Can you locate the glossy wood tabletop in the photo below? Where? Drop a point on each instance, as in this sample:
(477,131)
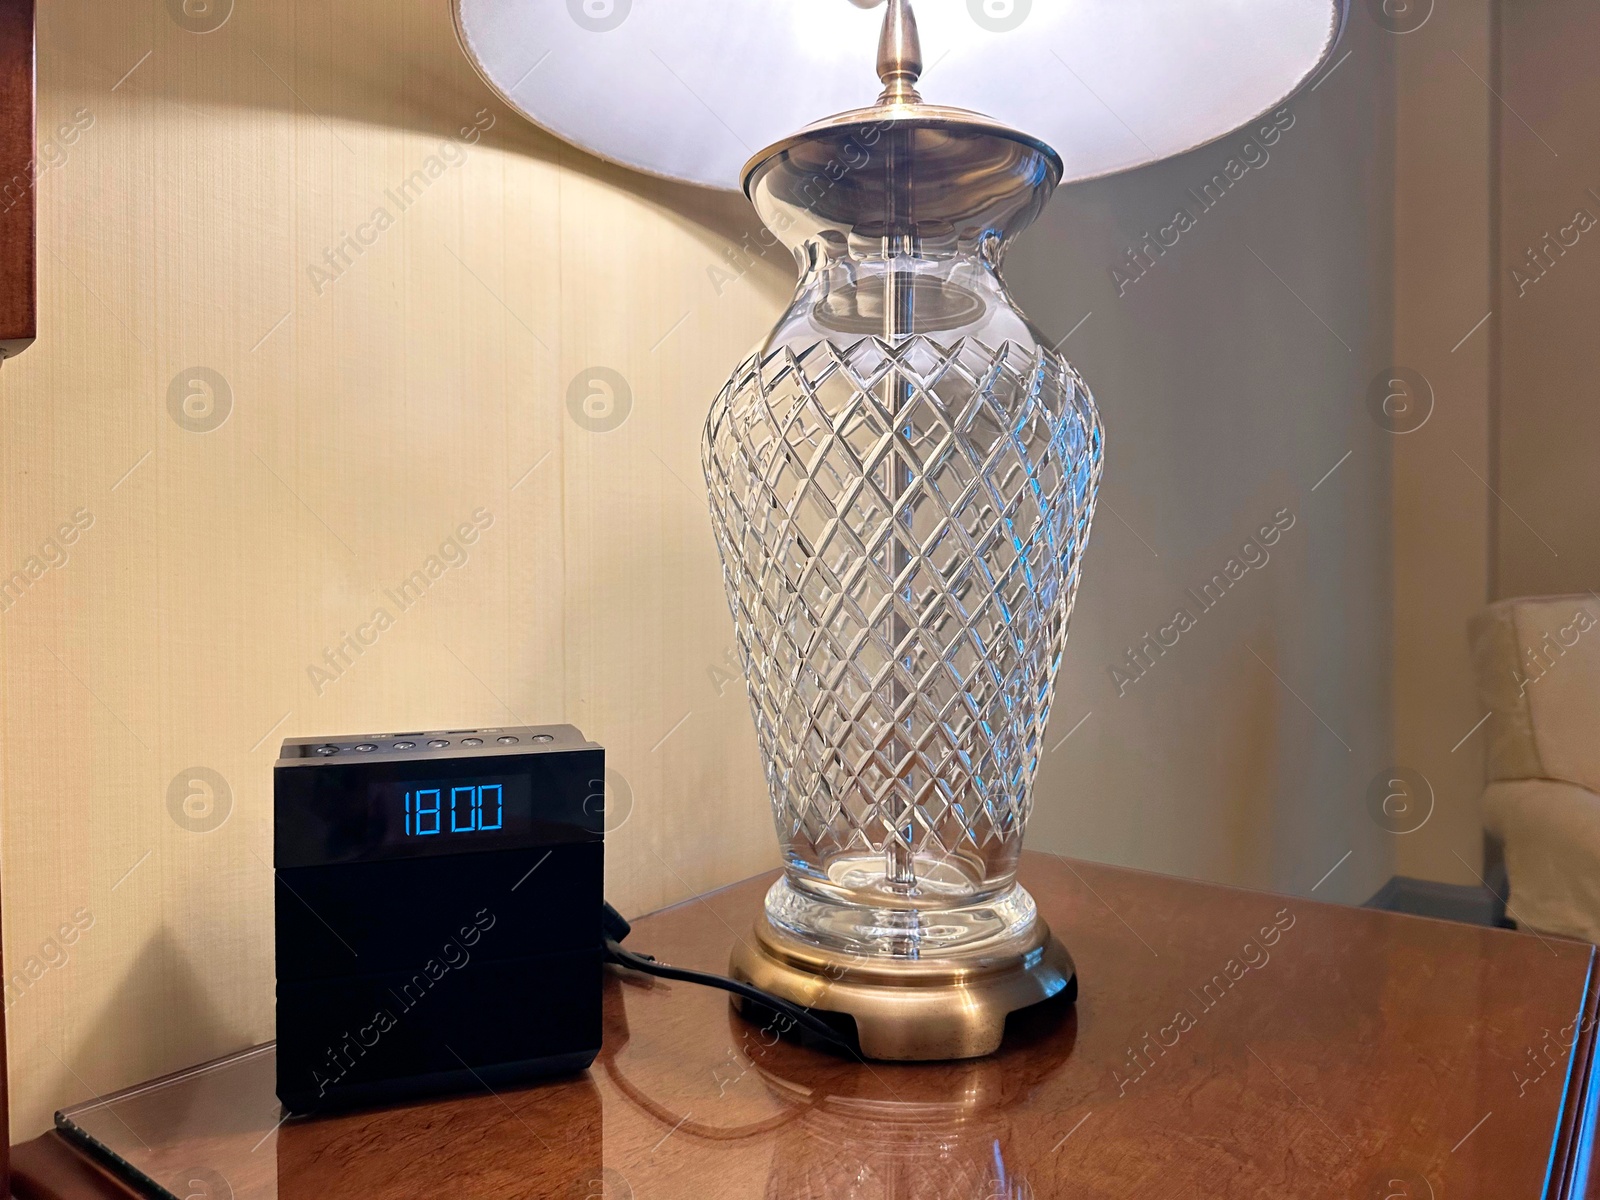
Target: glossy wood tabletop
(1225,1044)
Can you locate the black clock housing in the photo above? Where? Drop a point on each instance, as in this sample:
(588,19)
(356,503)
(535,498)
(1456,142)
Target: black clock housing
(438,902)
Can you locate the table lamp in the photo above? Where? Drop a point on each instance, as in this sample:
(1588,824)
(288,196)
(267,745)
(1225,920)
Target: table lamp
(903,475)
(902,481)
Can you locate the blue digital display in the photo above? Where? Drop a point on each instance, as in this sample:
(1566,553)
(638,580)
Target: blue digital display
(417,812)
(471,808)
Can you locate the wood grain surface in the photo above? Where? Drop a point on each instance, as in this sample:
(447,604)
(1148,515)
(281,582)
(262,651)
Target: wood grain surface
(1342,1053)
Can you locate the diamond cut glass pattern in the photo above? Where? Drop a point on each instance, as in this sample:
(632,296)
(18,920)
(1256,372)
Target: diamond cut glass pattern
(902,480)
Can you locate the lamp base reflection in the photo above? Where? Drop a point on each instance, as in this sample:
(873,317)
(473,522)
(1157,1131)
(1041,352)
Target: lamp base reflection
(918,1132)
(913,1010)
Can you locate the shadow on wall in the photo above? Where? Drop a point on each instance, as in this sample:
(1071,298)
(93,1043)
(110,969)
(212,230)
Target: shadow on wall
(163,982)
(1223,703)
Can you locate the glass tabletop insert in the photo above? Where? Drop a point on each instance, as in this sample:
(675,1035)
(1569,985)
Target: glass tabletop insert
(217,1132)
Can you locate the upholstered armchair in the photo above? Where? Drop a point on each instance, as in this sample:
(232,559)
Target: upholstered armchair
(1538,662)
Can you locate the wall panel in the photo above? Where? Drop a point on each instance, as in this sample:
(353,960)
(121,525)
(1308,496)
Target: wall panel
(1547,421)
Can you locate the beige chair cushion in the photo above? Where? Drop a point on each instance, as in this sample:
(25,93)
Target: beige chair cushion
(1538,663)
(1551,833)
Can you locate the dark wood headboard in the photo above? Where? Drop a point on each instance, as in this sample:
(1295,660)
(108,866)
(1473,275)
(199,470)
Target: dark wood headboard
(18,171)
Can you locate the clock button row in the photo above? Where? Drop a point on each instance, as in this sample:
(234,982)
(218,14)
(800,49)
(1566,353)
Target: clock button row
(329,750)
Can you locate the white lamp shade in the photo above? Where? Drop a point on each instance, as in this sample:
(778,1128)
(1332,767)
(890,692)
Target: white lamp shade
(691,89)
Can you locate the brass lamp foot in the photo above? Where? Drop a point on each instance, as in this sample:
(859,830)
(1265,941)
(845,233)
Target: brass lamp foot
(918,1010)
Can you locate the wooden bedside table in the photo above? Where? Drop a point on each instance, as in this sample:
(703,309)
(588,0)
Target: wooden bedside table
(1225,1044)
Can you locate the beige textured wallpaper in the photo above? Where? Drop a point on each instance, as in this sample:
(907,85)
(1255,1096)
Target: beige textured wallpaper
(317,314)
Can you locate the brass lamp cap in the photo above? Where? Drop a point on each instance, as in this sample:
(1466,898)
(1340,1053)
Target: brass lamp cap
(901,107)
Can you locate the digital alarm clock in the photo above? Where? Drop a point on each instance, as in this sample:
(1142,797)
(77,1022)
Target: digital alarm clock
(438,902)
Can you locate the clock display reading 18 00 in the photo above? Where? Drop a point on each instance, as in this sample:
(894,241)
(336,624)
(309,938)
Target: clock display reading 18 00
(427,811)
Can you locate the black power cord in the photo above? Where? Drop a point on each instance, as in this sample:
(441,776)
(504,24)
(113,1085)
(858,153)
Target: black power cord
(616,928)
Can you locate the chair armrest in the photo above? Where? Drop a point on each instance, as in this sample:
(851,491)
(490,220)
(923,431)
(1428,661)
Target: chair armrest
(1551,833)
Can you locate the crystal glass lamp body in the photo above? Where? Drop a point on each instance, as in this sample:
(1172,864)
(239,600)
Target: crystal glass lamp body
(902,480)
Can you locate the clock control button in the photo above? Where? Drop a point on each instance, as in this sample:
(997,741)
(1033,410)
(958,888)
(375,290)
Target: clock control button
(325,751)
(436,743)
(472,741)
(542,737)
(506,741)
(405,745)
(366,747)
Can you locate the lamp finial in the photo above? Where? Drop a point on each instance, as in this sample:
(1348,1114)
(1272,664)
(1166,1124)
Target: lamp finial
(899,55)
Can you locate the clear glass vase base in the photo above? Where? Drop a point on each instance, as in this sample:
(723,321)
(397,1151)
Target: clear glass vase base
(915,1011)
(933,923)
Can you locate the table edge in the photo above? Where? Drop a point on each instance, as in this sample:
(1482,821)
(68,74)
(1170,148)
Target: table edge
(51,1168)
(1571,1155)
